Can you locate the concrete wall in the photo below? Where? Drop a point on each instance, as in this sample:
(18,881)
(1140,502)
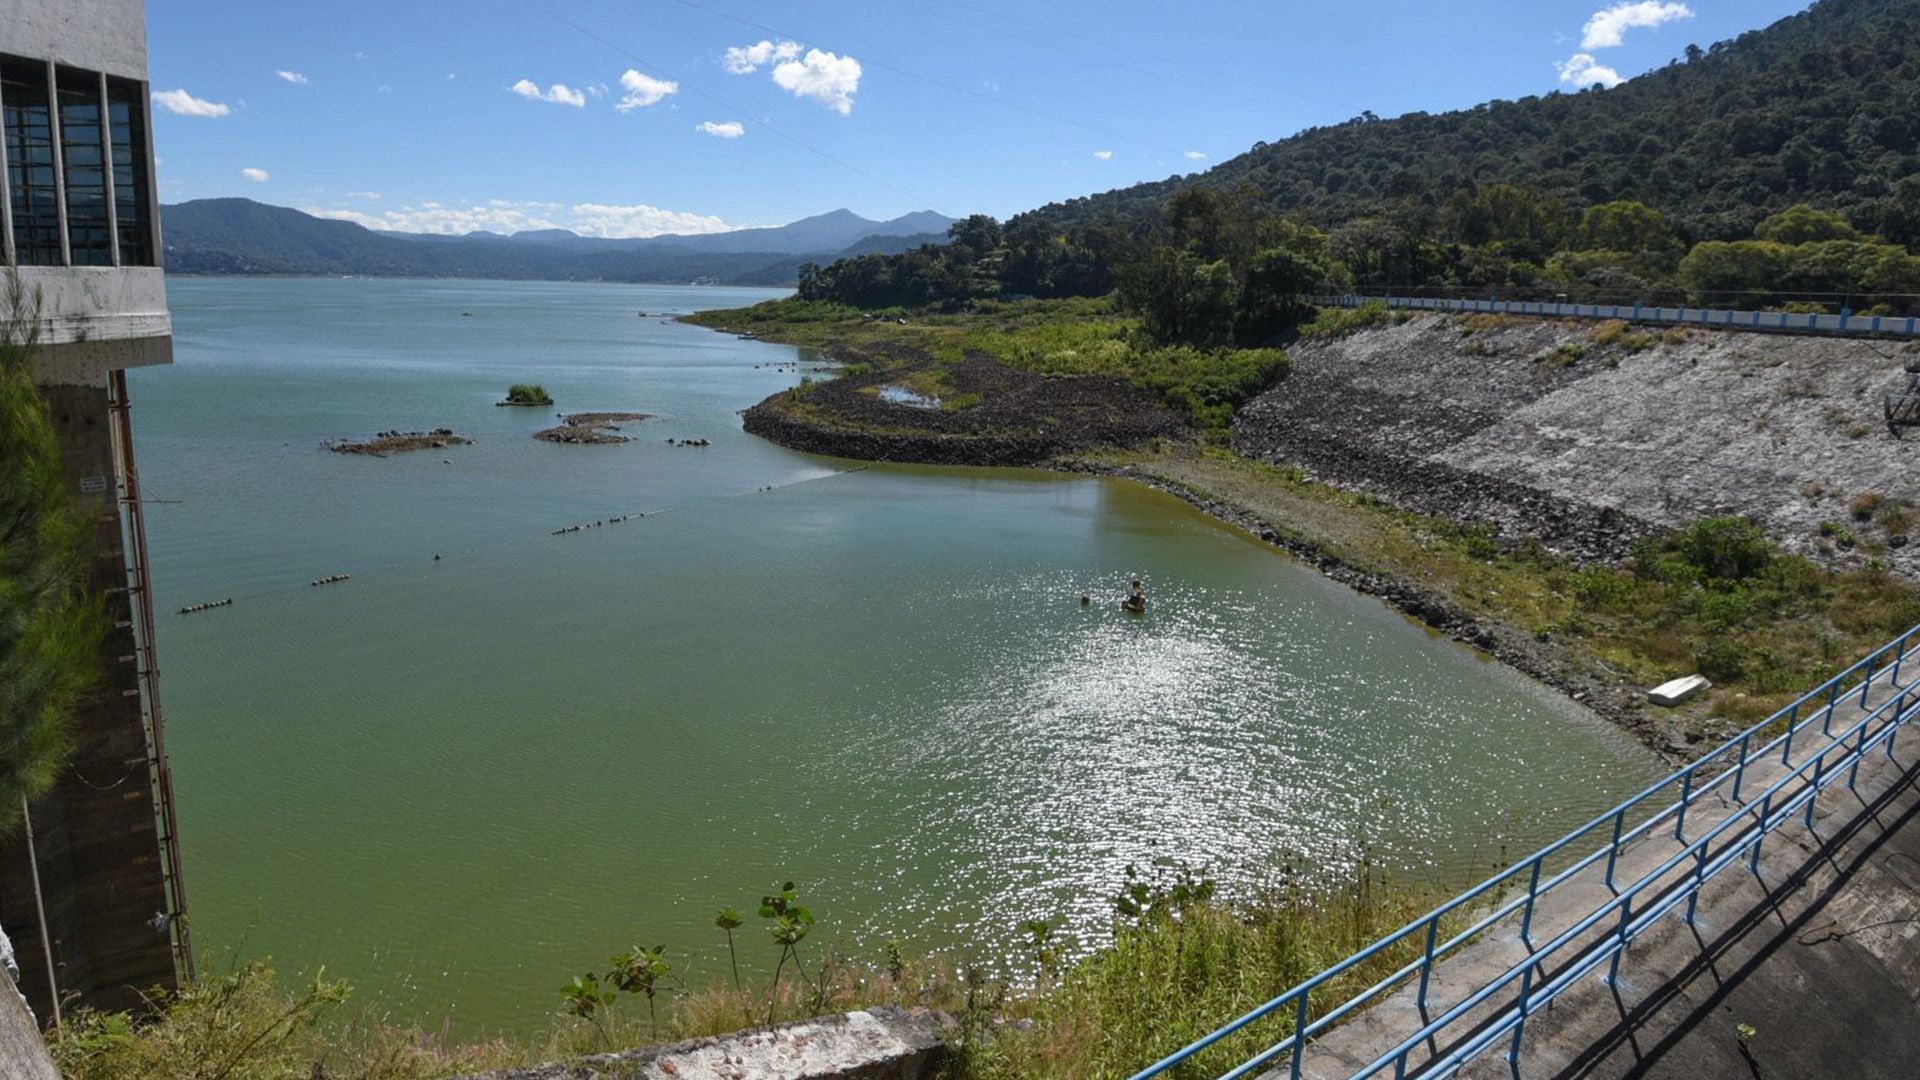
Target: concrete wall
(95,835)
(99,35)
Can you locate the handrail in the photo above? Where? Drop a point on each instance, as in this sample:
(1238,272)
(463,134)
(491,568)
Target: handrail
(1826,697)
(1845,323)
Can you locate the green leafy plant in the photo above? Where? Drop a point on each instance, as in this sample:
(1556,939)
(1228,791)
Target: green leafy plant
(728,921)
(641,971)
(584,999)
(792,921)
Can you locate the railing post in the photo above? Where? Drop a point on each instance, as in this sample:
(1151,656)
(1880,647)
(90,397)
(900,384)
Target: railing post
(1686,793)
(1520,1029)
(1533,892)
(1300,1033)
(1793,723)
(1826,722)
(1819,771)
(1866,684)
(1760,833)
(1426,965)
(1859,751)
(1613,850)
(1740,771)
(1699,881)
(1613,966)
(1899,654)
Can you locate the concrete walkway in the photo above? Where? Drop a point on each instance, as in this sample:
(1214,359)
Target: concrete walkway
(1818,956)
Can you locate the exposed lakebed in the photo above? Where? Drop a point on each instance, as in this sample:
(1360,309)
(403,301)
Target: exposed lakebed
(456,780)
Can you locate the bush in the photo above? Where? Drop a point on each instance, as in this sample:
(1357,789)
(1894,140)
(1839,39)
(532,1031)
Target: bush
(528,394)
(1335,323)
(1726,549)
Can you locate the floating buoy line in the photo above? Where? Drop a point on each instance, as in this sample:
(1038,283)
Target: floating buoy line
(565,530)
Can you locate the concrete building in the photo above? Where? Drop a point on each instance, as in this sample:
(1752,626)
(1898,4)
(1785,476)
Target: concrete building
(90,890)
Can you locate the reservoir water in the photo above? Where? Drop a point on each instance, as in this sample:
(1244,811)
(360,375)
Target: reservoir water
(455,782)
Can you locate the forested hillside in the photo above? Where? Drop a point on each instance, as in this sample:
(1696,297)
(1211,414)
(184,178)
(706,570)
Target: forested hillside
(1773,171)
(1821,108)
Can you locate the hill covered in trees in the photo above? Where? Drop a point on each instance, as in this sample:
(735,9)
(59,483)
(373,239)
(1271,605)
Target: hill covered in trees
(1820,108)
(1782,168)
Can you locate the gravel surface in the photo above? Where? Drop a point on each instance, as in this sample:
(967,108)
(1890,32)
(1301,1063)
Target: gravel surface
(1586,452)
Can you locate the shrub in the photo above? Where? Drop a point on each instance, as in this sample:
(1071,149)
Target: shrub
(528,394)
(1726,549)
(1335,323)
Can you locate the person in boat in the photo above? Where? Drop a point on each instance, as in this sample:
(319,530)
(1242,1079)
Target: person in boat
(1136,601)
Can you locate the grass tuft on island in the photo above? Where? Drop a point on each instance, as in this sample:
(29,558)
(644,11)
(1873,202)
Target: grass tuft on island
(526,394)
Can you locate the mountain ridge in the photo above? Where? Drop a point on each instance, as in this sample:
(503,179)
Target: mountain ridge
(242,236)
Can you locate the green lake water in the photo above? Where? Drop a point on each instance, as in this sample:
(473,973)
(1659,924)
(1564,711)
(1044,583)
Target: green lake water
(456,782)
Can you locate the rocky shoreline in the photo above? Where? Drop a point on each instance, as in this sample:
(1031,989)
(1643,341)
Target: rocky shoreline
(1012,417)
(1543,661)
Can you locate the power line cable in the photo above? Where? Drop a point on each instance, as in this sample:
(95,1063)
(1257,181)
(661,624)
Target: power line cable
(728,106)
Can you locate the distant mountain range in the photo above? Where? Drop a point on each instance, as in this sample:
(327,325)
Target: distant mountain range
(240,236)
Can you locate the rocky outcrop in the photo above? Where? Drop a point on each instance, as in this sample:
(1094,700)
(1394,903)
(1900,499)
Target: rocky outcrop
(873,1044)
(1585,439)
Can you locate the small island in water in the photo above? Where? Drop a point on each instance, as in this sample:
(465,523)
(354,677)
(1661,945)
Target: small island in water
(590,428)
(396,442)
(526,394)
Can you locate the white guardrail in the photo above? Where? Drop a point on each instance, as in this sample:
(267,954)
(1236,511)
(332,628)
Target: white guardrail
(1775,321)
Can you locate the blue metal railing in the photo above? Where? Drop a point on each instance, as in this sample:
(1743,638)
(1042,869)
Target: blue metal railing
(1794,322)
(1633,907)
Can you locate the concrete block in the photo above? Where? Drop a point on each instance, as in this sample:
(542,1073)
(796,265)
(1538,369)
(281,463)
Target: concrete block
(873,1044)
(1675,691)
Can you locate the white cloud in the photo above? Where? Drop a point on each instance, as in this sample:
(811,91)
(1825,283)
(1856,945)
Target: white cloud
(293,77)
(731,129)
(383,88)
(363,195)
(1194,155)
(620,222)
(258,176)
(1609,26)
(1583,70)
(508,216)
(826,77)
(644,90)
(184,104)
(558,93)
(1103,155)
(747,59)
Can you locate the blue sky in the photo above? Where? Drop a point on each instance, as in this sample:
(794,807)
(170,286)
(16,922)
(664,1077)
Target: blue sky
(634,117)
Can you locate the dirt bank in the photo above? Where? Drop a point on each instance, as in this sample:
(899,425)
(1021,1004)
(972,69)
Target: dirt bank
(1587,439)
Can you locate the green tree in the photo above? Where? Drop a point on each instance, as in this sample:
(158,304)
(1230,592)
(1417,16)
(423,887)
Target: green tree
(1624,225)
(1277,294)
(50,629)
(1802,224)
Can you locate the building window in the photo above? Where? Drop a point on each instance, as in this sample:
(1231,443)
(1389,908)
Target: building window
(127,131)
(83,153)
(32,187)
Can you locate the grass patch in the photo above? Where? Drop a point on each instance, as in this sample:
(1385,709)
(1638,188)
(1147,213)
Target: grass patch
(1620,334)
(1178,961)
(1335,323)
(1068,338)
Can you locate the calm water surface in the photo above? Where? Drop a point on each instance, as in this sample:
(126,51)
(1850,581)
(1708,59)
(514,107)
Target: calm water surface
(455,782)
